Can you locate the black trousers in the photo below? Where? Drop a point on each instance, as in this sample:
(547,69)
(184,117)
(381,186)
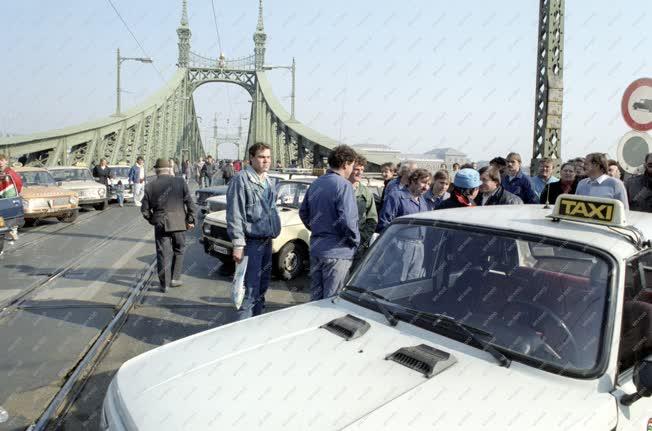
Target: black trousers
(169,254)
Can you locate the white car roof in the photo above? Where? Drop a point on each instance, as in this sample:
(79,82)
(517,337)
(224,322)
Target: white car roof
(532,219)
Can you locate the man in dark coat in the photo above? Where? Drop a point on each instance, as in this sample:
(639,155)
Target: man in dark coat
(167,205)
(639,188)
(491,192)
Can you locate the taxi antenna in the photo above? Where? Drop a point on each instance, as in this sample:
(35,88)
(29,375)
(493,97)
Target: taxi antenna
(547,205)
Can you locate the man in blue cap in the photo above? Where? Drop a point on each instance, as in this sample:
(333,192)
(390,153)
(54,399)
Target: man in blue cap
(465,189)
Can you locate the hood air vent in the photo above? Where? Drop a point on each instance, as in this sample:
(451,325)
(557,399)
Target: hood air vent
(423,358)
(348,327)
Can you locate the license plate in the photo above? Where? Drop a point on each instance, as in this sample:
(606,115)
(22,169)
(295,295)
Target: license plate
(219,249)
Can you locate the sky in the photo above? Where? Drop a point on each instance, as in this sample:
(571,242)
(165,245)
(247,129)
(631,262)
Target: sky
(414,75)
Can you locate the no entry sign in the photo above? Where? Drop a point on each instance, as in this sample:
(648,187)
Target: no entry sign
(636,105)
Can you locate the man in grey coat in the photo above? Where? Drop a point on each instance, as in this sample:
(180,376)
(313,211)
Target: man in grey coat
(167,205)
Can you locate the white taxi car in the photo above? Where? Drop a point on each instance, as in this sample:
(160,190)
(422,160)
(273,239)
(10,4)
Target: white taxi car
(79,179)
(500,318)
(290,250)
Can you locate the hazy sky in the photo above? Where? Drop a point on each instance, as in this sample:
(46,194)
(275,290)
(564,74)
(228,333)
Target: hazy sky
(415,74)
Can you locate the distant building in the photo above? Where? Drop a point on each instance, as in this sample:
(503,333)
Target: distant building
(449,156)
(381,153)
(425,161)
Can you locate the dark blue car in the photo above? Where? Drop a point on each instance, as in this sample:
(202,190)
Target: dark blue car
(11,210)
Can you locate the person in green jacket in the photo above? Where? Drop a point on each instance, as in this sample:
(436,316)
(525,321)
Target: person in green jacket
(367,214)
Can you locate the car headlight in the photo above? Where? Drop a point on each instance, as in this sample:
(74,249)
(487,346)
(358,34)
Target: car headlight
(101,192)
(73,199)
(206,228)
(2,222)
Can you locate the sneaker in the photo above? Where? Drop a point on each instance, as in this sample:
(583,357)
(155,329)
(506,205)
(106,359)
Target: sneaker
(121,205)
(176,283)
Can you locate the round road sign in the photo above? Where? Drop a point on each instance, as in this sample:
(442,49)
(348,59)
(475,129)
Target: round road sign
(632,149)
(636,105)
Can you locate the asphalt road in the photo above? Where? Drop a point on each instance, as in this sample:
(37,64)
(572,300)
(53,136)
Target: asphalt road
(78,275)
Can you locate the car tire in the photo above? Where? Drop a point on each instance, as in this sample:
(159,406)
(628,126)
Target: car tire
(30,222)
(290,260)
(70,217)
(101,206)
(2,243)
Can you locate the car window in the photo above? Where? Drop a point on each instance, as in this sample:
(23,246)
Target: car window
(553,314)
(37,178)
(291,194)
(72,175)
(636,324)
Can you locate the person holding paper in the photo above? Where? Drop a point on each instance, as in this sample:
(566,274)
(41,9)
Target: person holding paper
(252,222)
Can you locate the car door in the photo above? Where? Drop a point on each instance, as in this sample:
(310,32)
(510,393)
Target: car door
(11,208)
(635,342)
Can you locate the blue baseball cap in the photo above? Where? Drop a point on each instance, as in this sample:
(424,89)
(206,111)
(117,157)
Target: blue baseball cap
(467,178)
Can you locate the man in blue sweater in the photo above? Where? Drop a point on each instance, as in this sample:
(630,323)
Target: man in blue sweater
(330,212)
(516,182)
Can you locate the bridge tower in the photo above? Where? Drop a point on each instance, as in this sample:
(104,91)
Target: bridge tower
(549,83)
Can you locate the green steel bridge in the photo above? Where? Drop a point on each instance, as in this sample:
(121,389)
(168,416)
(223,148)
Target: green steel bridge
(166,124)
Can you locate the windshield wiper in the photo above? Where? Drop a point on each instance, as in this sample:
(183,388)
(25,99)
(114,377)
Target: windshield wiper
(470,331)
(391,317)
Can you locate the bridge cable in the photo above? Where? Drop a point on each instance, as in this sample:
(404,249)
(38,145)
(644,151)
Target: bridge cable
(134,37)
(217,31)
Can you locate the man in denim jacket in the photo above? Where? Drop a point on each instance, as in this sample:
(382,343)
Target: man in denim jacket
(252,222)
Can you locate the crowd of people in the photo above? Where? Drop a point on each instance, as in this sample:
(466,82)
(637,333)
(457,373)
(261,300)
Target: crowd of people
(341,214)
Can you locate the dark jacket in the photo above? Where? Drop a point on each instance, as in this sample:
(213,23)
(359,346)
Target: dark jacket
(168,203)
(456,200)
(501,197)
(208,170)
(639,192)
(521,186)
(555,190)
(228,172)
(102,175)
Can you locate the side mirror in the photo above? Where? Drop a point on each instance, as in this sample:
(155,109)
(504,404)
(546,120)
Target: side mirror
(642,381)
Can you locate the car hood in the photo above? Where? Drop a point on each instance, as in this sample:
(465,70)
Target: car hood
(31,192)
(82,185)
(282,371)
(213,190)
(288,216)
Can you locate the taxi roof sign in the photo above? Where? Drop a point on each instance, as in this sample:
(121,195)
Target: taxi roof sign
(589,209)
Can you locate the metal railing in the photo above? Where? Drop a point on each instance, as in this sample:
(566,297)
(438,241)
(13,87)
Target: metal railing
(242,63)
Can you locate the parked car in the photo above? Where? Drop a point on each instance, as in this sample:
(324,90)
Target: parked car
(290,250)
(79,179)
(42,198)
(120,173)
(201,195)
(643,105)
(504,317)
(11,207)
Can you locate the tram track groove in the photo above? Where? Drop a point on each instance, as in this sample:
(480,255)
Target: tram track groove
(15,301)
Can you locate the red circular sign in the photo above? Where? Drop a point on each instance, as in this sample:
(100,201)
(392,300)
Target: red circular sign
(626,103)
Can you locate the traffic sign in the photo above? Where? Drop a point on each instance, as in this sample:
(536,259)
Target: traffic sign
(636,105)
(632,149)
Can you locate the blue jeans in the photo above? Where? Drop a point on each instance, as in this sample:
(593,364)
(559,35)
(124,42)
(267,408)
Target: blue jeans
(327,276)
(259,272)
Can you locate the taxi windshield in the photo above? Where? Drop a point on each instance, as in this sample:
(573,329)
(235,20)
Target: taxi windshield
(72,175)
(37,178)
(534,298)
(290,194)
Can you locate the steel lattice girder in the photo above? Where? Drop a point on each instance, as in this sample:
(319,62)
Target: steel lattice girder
(549,83)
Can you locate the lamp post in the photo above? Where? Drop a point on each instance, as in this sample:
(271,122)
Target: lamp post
(292,68)
(119,61)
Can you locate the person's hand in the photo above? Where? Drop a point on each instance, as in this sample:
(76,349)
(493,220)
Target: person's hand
(237,254)
(189,226)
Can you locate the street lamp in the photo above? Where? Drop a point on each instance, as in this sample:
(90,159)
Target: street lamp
(292,68)
(119,61)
